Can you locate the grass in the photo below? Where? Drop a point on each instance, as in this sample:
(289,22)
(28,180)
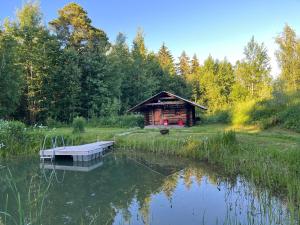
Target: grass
(268,158)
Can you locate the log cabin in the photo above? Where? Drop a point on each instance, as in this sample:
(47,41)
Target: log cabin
(166,109)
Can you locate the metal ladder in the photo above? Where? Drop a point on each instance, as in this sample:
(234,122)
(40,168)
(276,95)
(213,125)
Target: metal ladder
(54,145)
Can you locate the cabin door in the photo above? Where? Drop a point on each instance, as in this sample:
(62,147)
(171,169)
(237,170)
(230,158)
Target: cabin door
(157,116)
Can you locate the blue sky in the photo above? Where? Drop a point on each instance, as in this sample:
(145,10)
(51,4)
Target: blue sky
(219,28)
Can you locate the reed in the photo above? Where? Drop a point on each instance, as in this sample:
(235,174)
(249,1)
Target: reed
(28,207)
(276,170)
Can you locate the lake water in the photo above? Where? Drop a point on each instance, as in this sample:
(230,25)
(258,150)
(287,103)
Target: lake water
(131,189)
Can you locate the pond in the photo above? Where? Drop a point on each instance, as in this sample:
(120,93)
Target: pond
(131,188)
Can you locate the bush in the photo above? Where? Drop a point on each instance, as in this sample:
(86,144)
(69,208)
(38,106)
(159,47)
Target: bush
(16,130)
(291,117)
(14,137)
(78,124)
(266,123)
(52,123)
(12,130)
(218,117)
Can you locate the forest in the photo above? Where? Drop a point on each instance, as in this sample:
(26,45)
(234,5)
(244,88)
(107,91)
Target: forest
(69,68)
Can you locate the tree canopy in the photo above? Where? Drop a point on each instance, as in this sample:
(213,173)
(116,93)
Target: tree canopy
(70,68)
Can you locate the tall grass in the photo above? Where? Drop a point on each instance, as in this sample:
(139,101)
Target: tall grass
(17,139)
(280,110)
(278,171)
(28,209)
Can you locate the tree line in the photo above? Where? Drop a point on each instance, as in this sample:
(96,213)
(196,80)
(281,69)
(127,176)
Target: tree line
(69,68)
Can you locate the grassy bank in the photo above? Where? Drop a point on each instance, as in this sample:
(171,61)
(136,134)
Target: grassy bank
(269,158)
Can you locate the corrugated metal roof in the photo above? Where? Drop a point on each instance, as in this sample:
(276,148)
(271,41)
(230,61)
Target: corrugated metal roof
(170,94)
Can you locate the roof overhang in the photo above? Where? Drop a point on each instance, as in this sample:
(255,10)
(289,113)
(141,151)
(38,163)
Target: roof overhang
(138,106)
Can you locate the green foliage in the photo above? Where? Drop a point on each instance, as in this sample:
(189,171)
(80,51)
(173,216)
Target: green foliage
(253,72)
(74,70)
(288,58)
(241,113)
(52,123)
(290,117)
(184,66)
(10,75)
(78,124)
(12,130)
(166,60)
(15,138)
(73,28)
(118,121)
(281,110)
(216,80)
(218,117)
(65,87)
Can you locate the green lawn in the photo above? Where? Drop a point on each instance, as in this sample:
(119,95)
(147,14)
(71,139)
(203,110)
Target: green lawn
(274,138)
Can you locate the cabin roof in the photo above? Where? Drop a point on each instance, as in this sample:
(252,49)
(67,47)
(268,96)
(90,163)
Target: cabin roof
(135,108)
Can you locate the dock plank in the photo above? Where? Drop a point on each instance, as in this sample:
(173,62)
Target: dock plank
(84,152)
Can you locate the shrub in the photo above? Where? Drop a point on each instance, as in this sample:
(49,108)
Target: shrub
(291,118)
(53,123)
(78,124)
(14,137)
(12,130)
(218,117)
(16,130)
(266,123)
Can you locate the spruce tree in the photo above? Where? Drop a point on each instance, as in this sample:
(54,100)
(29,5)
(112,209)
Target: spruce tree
(166,60)
(184,68)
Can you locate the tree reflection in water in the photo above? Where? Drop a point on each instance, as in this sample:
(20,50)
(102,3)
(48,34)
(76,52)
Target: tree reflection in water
(132,188)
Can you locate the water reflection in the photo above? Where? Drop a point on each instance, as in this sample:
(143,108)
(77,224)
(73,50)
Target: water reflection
(136,188)
(69,165)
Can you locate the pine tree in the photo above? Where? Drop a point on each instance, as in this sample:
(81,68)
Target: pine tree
(73,28)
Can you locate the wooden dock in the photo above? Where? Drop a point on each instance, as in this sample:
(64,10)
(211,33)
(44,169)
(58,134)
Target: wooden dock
(85,152)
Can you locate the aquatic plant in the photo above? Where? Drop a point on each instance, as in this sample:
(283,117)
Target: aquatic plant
(28,208)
